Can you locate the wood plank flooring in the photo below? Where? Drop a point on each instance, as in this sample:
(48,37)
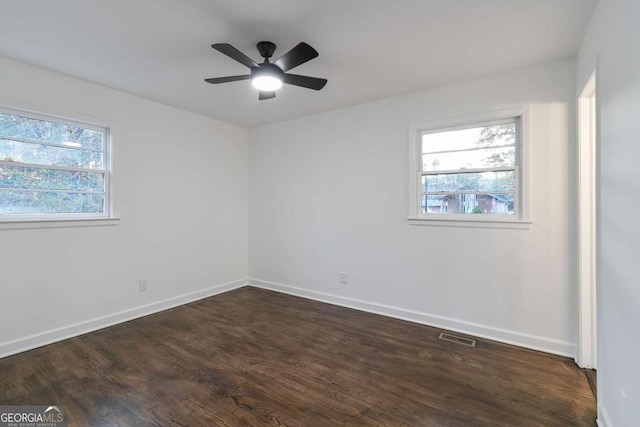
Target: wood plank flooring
(592,378)
(252,357)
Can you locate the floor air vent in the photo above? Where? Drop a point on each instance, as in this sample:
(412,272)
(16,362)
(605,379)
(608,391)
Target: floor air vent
(458,340)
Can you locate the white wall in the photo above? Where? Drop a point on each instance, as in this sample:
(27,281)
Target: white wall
(181,193)
(612,45)
(328,193)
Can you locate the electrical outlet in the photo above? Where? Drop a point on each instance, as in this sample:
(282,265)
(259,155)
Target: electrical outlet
(142,285)
(343,278)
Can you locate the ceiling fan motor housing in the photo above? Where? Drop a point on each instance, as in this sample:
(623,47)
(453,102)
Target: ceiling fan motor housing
(267,69)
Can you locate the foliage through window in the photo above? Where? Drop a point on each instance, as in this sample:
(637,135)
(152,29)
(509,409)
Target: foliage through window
(52,168)
(471,170)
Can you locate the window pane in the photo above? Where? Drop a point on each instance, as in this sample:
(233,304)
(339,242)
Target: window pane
(39,130)
(36,202)
(479,137)
(469,182)
(50,179)
(487,204)
(474,159)
(49,155)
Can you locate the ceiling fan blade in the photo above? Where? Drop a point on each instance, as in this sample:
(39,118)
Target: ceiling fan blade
(234,53)
(296,56)
(216,80)
(265,94)
(304,81)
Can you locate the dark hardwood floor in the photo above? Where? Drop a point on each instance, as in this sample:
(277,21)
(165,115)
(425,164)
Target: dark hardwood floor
(593,380)
(252,357)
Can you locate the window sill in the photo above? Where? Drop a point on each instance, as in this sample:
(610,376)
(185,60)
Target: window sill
(26,224)
(469,223)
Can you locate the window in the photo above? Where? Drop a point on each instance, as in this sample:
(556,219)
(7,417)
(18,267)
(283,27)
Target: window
(52,168)
(471,172)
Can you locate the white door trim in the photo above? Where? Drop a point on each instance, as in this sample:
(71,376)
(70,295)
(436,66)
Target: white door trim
(587,136)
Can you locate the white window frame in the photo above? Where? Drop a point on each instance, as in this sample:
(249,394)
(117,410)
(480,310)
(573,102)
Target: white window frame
(106,217)
(520,218)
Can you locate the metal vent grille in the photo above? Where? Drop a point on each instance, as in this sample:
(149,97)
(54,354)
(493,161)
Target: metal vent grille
(458,340)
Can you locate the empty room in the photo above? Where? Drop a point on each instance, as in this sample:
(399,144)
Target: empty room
(319,213)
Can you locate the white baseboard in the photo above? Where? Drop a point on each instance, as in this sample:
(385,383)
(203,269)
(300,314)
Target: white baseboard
(547,345)
(603,417)
(38,340)
(544,344)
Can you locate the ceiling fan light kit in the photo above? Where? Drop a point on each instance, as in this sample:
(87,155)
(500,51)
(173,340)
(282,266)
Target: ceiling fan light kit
(268,77)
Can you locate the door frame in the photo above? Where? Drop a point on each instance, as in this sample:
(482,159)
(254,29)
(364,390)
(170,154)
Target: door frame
(587,232)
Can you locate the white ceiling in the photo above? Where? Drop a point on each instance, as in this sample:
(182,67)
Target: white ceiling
(369,49)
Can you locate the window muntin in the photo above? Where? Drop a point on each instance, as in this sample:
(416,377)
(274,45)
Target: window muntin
(52,168)
(470,170)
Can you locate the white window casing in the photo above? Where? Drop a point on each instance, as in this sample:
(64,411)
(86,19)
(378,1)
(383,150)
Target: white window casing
(420,215)
(59,210)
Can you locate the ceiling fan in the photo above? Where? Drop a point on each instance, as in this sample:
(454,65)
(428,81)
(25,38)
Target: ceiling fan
(268,77)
